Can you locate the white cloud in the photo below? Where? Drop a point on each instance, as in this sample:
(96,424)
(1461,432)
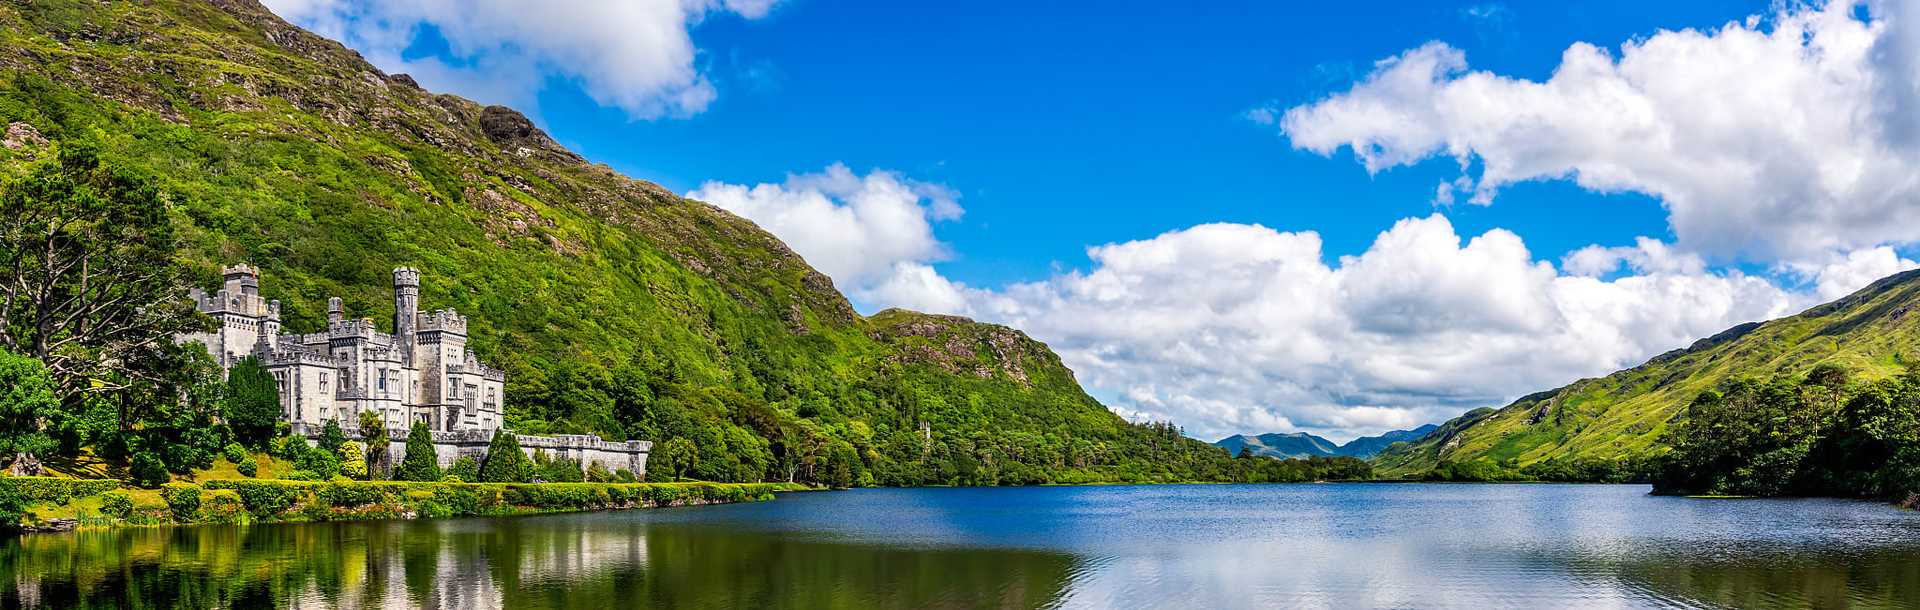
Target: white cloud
(1229,328)
(872,234)
(1844,274)
(634,55)
(1789,137)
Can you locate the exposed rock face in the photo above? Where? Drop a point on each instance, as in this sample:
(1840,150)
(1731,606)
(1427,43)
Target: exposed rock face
(21,135)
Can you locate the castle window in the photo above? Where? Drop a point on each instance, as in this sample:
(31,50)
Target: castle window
(323,382)
(453,389)
(383,380)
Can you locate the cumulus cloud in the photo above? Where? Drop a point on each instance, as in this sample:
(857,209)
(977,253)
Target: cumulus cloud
(1230,328)
(872,234)
(1789,137)
(635,55)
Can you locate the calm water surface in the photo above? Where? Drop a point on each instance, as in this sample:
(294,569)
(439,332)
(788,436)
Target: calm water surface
(1308,546)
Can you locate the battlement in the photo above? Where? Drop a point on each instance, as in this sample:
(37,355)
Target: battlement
(406,276)
(285,356)
(444,320)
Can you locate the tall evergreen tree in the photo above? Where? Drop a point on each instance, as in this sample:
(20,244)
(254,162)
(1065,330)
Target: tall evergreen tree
(253,401)
(505,462)
(420,464)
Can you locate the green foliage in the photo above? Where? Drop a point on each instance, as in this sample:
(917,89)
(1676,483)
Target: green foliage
(148,471)
(598,473)
(253,401)
(12,505)
(274,500)
(116,504)
(58,490)
(373,431)
(353,460)
(1811,435)
(322,464)
(420,463)
(248,466)
(234,453)
(26,396)
(183,499)
(221,506)
(505,462)
(467,468)
(674,459)
(556,469)
(331,437)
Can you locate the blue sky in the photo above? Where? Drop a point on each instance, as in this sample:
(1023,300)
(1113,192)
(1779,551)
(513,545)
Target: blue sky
(1339,218)
(1064,127)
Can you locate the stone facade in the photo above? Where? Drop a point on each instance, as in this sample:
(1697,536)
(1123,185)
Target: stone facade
(422,372)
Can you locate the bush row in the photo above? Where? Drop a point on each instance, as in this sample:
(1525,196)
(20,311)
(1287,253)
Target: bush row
(58,490)
(337,500)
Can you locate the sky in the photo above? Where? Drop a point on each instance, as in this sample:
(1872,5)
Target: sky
(1250,217)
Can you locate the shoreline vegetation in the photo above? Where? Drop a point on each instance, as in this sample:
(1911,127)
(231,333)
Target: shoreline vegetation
(49,504)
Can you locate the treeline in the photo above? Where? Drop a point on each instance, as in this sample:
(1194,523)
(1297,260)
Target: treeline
(1578,470)
(1821,434)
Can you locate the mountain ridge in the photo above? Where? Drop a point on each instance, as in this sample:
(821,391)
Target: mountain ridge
(1302,444)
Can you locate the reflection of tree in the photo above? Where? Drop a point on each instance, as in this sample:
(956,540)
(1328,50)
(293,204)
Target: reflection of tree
(590,561)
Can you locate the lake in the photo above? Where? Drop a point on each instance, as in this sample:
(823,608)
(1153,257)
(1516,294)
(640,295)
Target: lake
(1178,546)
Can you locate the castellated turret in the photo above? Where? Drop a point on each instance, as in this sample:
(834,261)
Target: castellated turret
(406,310)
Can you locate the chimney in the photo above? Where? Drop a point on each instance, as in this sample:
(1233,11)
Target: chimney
(335,312)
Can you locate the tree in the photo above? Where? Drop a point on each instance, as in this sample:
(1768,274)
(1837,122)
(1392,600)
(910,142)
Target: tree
(466,469)
(420,463)
(253,401)
(373,432)
(505,462)
(26,395)
(331,437)
(87,255)
(674,459)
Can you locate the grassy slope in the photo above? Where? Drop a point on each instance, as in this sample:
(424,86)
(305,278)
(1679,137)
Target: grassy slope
(294,154)
(1623,415)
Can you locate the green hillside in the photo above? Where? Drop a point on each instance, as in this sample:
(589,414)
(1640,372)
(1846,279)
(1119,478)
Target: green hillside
(615,306)
(1622,416)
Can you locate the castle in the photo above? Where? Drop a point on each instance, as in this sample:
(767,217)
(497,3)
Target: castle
(422,372)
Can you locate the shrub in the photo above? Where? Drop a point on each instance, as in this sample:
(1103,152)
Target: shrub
(598,473)
(625,476)
(322,463)
(253,401)
(183,499)
(234,453)
(302,475)
(248,466)
(350,493)
(148,471)
(264,498)
(467,468)
(12,506)
(353,460)
(222,506)
(116,504)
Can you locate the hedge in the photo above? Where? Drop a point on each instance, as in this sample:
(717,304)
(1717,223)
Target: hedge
(316,500)
(58,490)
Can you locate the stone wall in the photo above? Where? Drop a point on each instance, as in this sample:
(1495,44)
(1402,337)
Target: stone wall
(588,449)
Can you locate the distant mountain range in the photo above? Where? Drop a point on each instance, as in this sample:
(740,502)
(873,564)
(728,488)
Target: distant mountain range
(1301,444)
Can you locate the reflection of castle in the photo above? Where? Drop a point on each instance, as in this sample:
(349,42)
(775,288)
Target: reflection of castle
(422,372)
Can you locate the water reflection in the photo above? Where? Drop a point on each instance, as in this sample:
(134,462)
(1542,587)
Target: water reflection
(1203,546)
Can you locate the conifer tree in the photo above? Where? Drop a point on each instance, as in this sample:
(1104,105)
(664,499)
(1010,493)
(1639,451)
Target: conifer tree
(505,462)
(420,464)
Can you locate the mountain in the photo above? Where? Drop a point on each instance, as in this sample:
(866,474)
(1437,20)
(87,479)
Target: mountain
(1623,415)
(616,306)
(1301,444)
(1294,445)
(1369,446)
